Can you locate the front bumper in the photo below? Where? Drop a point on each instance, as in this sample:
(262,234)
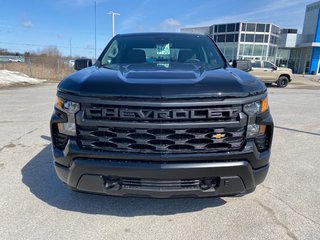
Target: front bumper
(92,175)
(234,173)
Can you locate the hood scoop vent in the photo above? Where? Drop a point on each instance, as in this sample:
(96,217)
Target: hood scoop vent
(160,75)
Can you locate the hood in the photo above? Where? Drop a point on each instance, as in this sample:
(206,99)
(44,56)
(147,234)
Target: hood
(284,69)
(161,81)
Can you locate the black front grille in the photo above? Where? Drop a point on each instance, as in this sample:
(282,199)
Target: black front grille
(156,185)
(161,140)
(160,127)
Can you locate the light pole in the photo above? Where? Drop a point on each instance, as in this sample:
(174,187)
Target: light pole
(95,30)
(70,47)
(113,14)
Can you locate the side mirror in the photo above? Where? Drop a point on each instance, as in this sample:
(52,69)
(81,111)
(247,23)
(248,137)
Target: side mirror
(244,65)
(275,67)
(82,63)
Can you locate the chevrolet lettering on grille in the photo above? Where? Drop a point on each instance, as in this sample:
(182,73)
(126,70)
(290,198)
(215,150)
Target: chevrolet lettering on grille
(146,114)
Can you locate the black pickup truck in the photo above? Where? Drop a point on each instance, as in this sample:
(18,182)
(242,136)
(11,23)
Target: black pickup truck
(161,115)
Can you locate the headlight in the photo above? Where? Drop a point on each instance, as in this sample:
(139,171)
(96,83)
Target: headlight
(252,130)
(67,105)
(70,108)
(256,107)
(252,109)
(67,128)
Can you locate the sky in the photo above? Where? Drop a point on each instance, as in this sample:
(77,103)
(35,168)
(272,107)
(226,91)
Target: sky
(69,24)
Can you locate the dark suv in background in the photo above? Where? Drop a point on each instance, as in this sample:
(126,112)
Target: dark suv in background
(161,115)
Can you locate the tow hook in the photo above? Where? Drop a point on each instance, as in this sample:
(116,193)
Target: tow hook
(112,184)
(208,184)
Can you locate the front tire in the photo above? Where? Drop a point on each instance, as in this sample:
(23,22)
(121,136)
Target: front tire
(283,82)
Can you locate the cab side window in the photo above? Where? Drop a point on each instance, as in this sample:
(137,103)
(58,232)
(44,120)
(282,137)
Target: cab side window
(256,64)
(268,65)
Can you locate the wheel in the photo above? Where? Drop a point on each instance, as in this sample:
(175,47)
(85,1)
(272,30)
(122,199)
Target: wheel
(283,82)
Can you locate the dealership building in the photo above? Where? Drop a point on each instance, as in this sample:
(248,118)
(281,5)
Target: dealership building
(267,41)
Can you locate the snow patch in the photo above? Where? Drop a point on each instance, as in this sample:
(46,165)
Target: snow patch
(10,78)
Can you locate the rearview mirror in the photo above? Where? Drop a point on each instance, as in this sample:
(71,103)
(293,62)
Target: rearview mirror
(244,65)
(82,63)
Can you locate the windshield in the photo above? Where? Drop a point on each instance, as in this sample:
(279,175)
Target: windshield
(163,50)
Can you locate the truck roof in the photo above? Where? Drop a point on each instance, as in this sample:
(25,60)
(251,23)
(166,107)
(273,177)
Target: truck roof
(160,33)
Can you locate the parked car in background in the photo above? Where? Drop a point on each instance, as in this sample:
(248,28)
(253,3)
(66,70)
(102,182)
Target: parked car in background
(14,60)
(270,73)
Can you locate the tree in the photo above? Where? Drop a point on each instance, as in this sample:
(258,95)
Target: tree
(3,51)
(27,54)
(51,51)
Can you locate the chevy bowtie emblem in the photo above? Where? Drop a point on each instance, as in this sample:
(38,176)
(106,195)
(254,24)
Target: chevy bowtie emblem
(218,136)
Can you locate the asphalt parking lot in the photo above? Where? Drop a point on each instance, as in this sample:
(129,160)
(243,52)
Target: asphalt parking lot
(34,204)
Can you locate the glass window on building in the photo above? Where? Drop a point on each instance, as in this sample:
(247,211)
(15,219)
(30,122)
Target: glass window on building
(249,37)
(237,27)
(242,38)
(221,38)
(264,50)
(289,30)
(257,50)
(243,27)
(259,38)
(283,53)
(231,27)
(215,38)
(229,51)
(215,28)
(266,38)
(260,27)
(236,37)
(272,51)
(230,38)
(221,28)
(283,56)
(235,51)
(282,62)
(267,27)
(251,27)
(241,50)
(274,40)
(247,50)
(221,47)
(275,30)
